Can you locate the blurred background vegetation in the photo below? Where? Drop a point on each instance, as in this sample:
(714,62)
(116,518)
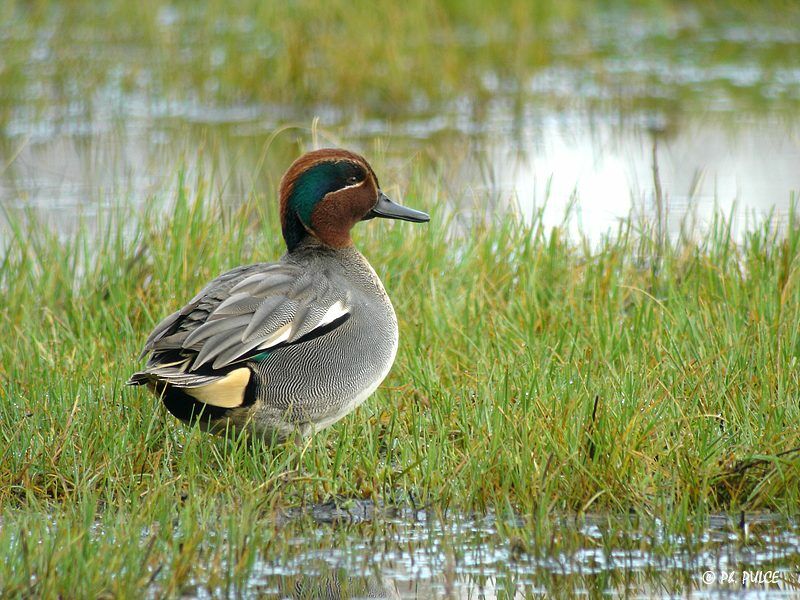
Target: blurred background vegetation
(105,100)
(388,58)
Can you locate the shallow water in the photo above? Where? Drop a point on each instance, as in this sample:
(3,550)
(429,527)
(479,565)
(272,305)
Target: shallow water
(361,551)
(657,116)
(581,164)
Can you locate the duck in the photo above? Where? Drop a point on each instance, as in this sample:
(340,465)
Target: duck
(287,348)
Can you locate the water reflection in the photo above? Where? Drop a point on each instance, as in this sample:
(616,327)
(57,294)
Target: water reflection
(336,585)
(717,93)
(413,554)
(748,169)
(605,171)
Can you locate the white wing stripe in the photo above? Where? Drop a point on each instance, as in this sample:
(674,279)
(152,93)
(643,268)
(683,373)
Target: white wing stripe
(338,309)
(281,335)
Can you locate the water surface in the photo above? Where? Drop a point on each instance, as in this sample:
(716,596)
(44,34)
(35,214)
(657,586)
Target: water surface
(360,551)
(668,115)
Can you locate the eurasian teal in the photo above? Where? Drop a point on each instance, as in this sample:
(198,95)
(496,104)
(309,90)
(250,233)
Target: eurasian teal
(294,345)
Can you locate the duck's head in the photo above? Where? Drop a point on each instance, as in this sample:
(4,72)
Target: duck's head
(326,192)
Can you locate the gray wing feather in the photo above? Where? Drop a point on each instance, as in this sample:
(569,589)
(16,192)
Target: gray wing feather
(211,328)
(158,332)
(244,309)
(183,318)
(270,317)
(214,345)
(181,378)
(231,354)
(259,283)
(238,304)
(306,321)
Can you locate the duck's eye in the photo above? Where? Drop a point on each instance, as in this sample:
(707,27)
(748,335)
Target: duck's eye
(352,180)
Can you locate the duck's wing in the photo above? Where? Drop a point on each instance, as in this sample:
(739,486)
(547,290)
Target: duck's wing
(240,315)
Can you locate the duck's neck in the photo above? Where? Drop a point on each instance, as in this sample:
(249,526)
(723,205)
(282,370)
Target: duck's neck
(296,235)
(310,243)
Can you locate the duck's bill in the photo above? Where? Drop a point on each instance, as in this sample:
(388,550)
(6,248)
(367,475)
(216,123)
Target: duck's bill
(387,209)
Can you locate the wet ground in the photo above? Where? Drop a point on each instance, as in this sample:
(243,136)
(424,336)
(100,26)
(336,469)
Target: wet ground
(358,550)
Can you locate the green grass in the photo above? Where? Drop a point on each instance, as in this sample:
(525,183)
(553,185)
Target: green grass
(536,375)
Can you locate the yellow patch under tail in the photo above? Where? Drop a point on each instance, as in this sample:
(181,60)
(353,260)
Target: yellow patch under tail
(227,392)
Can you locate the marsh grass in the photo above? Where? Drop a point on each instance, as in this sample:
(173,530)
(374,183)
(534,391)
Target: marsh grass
(64,61)
(536,376)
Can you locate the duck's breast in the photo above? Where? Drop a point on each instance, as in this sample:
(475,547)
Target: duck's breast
(325,378)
